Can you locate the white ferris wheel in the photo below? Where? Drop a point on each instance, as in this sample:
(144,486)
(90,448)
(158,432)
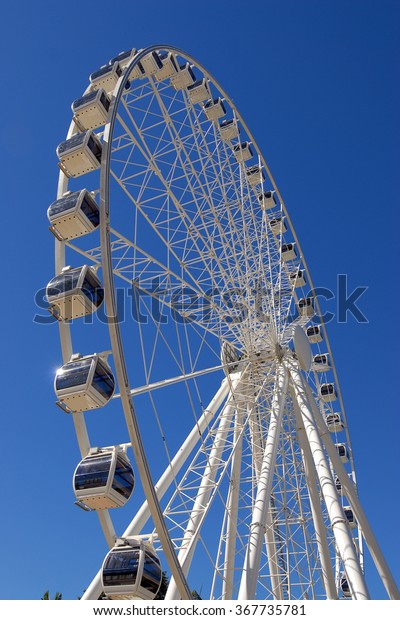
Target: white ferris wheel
(217,359)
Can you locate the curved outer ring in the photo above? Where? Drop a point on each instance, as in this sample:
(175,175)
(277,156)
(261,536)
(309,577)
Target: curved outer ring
(111,306)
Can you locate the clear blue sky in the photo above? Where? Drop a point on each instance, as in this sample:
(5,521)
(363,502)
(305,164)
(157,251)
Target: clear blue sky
(317,81)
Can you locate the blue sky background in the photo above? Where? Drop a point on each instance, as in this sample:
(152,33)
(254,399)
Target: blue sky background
(317,81)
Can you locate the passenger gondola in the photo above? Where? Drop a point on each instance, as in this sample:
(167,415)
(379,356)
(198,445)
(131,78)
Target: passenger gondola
(84,383)
(90,111)
(342,452)
(74,215)
(314,334)
(298,277)
(214,109)
(229,130)
(151,63)
(288,251)
(305,306)
(242,151)
(74,293)
(137,72)
(277,226)
(334,422)
(267,200)
(255,175)
(104,479)
(106,77)
(199,91)
(338,486)
(123,58)
(321,363)
(80,154)
(183,78)
(131,570)
(351,520)
(344,586)
(169,66)
(327,392)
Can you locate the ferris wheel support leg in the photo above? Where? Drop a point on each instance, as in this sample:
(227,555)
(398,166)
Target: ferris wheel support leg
(94,590)
(232,507)
(322,543)
(337,517)
(200,506)
(258,525)
(270,535)
(349,489)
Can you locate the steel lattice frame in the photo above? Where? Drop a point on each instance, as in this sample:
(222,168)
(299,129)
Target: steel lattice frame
(181,221)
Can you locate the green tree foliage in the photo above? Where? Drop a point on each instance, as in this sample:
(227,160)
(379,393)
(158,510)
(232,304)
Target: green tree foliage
(46,596)
(163,588)
(196,596)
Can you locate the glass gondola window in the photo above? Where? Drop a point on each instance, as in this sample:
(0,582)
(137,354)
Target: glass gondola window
(151,574)
(123,58)
(123,478)
(92,290)
(91,211)
(73,374)
(75,293)
(95,148)
(92,473)
(63,283)
(66,203)
(121,567)
(103,381)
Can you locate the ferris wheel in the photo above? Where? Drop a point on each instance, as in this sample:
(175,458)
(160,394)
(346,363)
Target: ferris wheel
(214,355)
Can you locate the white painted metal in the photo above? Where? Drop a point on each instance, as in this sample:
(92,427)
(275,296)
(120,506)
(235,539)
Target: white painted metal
(320,529)
(258,445)
(302,348)
(232,506)
(332,500)
(258,525)
(351,494)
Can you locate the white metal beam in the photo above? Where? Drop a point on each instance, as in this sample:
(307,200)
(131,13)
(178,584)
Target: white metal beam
(349,489)
(258,525)
(319,525)
(337,517)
